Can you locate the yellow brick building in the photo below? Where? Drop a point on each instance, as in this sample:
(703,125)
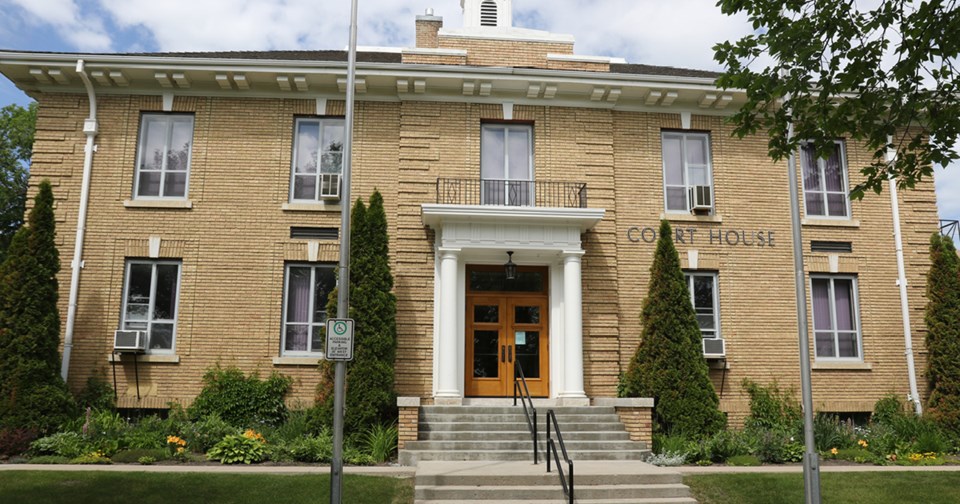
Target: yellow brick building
(211,223)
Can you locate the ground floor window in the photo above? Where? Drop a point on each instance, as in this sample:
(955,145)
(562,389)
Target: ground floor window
(307,289)
(835,316)
(703,294)
(150,297)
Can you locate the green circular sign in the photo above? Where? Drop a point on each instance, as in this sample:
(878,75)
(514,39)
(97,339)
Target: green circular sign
(340,328)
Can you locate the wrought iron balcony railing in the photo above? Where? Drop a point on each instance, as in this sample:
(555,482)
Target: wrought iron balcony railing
(524,193)
(951,229)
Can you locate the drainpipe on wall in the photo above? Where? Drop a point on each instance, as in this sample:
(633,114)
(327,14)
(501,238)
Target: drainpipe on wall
(90,130)
(902,282)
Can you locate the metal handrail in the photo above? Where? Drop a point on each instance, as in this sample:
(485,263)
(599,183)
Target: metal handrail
(518,380)
(513,193)
(551,447)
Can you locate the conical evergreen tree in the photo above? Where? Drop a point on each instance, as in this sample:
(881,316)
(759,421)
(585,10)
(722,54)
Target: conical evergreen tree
(370,397)
(32,393)
(669,365)
(943,333)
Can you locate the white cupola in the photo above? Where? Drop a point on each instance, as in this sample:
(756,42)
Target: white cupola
(487,13)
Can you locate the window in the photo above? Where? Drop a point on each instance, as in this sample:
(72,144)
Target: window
(506,165)
(686,170)
(835,317)
(305,308)
(317,160)
(163,163)
(150,302)
(825,182)
(703,294)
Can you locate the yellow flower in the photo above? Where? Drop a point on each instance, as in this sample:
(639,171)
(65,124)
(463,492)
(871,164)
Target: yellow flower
(833,451)
(862,443)
(176,440)
(252,434)
(180,449)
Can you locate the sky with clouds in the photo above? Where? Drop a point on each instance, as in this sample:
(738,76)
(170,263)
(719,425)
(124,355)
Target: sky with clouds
(673,33)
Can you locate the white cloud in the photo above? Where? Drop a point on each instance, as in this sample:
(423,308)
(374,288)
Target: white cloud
(82,30)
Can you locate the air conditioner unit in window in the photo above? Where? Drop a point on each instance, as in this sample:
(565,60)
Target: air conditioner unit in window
(701,199)
(330,186)
(714,348)
(129,341)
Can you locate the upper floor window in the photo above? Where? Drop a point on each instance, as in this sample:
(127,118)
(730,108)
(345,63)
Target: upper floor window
(305,307)
(150,301)
(317,160)
(506,165)
(836,325)
(825,182)
(687,174)
(163,161)
(703,294)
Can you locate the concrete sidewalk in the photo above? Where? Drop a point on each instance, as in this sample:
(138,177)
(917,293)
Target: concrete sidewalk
(796,468)
(390,471)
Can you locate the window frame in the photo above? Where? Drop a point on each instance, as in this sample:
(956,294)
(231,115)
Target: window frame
(686,169)
(688,277)
(855,294)
(170,119)
(153,296)
(321,122)
(310,325)
(821,172)
(531,169)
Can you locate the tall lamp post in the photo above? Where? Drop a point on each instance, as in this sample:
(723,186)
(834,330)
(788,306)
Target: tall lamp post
(343,290)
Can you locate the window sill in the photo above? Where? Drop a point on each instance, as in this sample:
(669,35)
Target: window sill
(158,203)
(843,366)
(687,217)
(296,361)
(311,207)
(844,223)
(147,358)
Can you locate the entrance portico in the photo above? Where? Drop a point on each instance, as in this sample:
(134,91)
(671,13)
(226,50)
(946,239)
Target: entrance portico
(473,235)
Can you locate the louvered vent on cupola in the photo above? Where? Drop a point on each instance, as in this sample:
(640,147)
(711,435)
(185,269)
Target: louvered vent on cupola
(488,13)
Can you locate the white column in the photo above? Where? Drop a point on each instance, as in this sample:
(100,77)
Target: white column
(572,327)
(447,353)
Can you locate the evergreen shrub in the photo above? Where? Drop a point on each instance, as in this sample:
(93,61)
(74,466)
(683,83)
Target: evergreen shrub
(943,333)
(669,365)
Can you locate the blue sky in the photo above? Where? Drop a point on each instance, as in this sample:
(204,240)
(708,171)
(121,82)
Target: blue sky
(674,33)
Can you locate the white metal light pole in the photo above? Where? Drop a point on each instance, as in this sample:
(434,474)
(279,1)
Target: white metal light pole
(343,289)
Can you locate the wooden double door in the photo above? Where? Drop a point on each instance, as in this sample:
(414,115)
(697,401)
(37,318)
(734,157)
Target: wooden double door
(504,328)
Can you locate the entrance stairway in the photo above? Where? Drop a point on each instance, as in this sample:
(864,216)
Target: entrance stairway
(484,454)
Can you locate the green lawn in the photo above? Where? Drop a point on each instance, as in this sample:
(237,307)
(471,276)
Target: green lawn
(188,488)
(836,488)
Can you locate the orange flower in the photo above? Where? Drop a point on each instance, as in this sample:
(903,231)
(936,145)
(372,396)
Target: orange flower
(833,451)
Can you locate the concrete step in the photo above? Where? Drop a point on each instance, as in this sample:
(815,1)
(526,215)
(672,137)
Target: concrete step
(541,477)
(495,443)
(411,457)
(516,418)
(503,410)
(667,500)
(433,426)
(522,435)
(526,492)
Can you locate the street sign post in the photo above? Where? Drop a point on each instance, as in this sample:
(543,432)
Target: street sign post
(339,340)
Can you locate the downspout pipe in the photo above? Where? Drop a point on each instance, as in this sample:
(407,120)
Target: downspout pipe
(914,396)
(90,129)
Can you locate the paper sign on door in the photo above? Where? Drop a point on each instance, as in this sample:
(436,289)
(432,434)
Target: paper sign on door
(521,338)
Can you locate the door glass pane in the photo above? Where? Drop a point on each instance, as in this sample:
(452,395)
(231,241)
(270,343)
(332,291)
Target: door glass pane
(528,353)
(526,315)
(496,281)
(486,314)
(486,354)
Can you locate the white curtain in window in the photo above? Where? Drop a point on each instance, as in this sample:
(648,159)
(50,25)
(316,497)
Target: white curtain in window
(298,309)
